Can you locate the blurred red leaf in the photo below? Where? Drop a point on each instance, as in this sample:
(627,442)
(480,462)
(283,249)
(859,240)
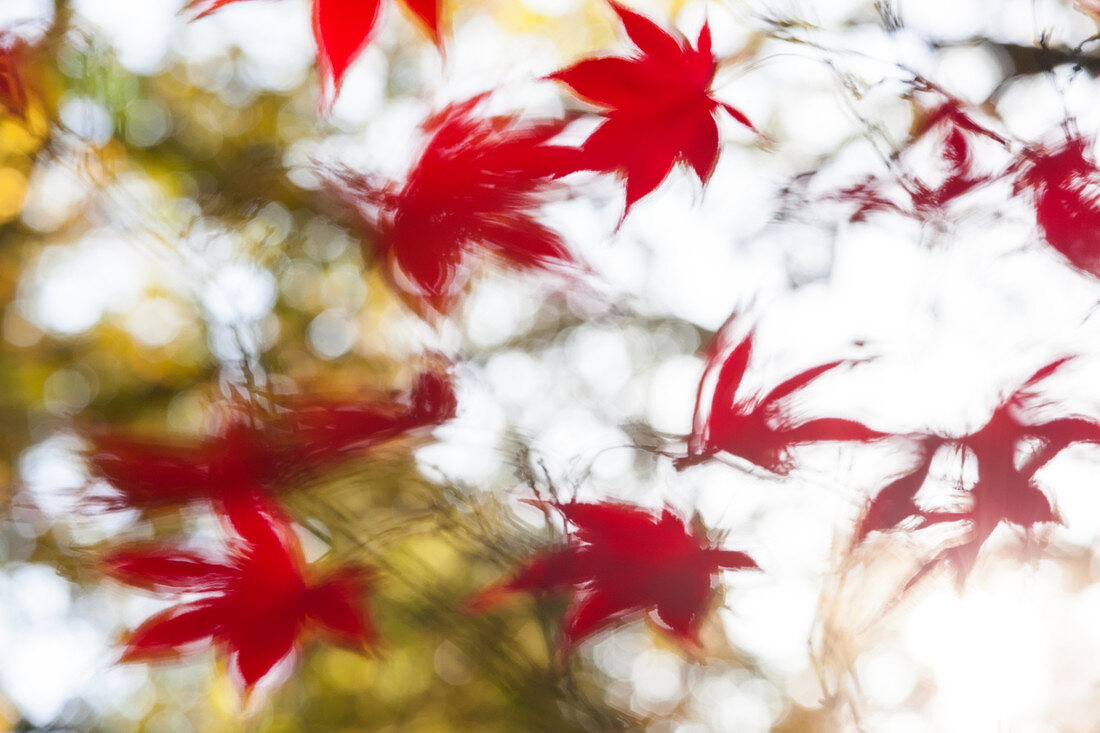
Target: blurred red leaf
(474,190)
(341,30)
(1005,489)
(757,428)
(303,435)
(897,502)
(658,106)
(619,561)
(13,57)
(1064,186)
(258,600)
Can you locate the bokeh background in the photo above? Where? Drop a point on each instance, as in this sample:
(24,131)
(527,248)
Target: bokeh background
(166,242)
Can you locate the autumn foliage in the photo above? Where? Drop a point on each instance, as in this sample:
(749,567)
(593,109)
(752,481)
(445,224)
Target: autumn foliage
(479,194)
(620,561)
(13,58)
(1061,182)
(260,452)
(472,198)
(256,604)
(1005,490)
(341,29)
(760,429)
(472,195)
(657,106)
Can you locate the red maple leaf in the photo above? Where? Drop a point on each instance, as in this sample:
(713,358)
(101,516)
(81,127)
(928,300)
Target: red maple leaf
(757,428)
(1064,185)
(1005,490)
(342,29)
(955,130)
(266,452)
(621,561)
(254,604)
(659,108)
(475,189)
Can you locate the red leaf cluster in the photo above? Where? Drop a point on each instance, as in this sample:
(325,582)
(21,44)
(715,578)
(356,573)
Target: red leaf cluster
(1005,490)
(473,193)
(254,605)
(342,29)
(621,561)
(758,428)
(1062,182)
(658,106)
(955,132)
(251,452)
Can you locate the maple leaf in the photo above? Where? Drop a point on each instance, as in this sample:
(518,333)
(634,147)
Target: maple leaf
(307,435)
(1064,185)
(341,30)
(474,190)
(757,428)
(658,106)
(620,561)
(955,130)
(1005,490)
(254,604)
